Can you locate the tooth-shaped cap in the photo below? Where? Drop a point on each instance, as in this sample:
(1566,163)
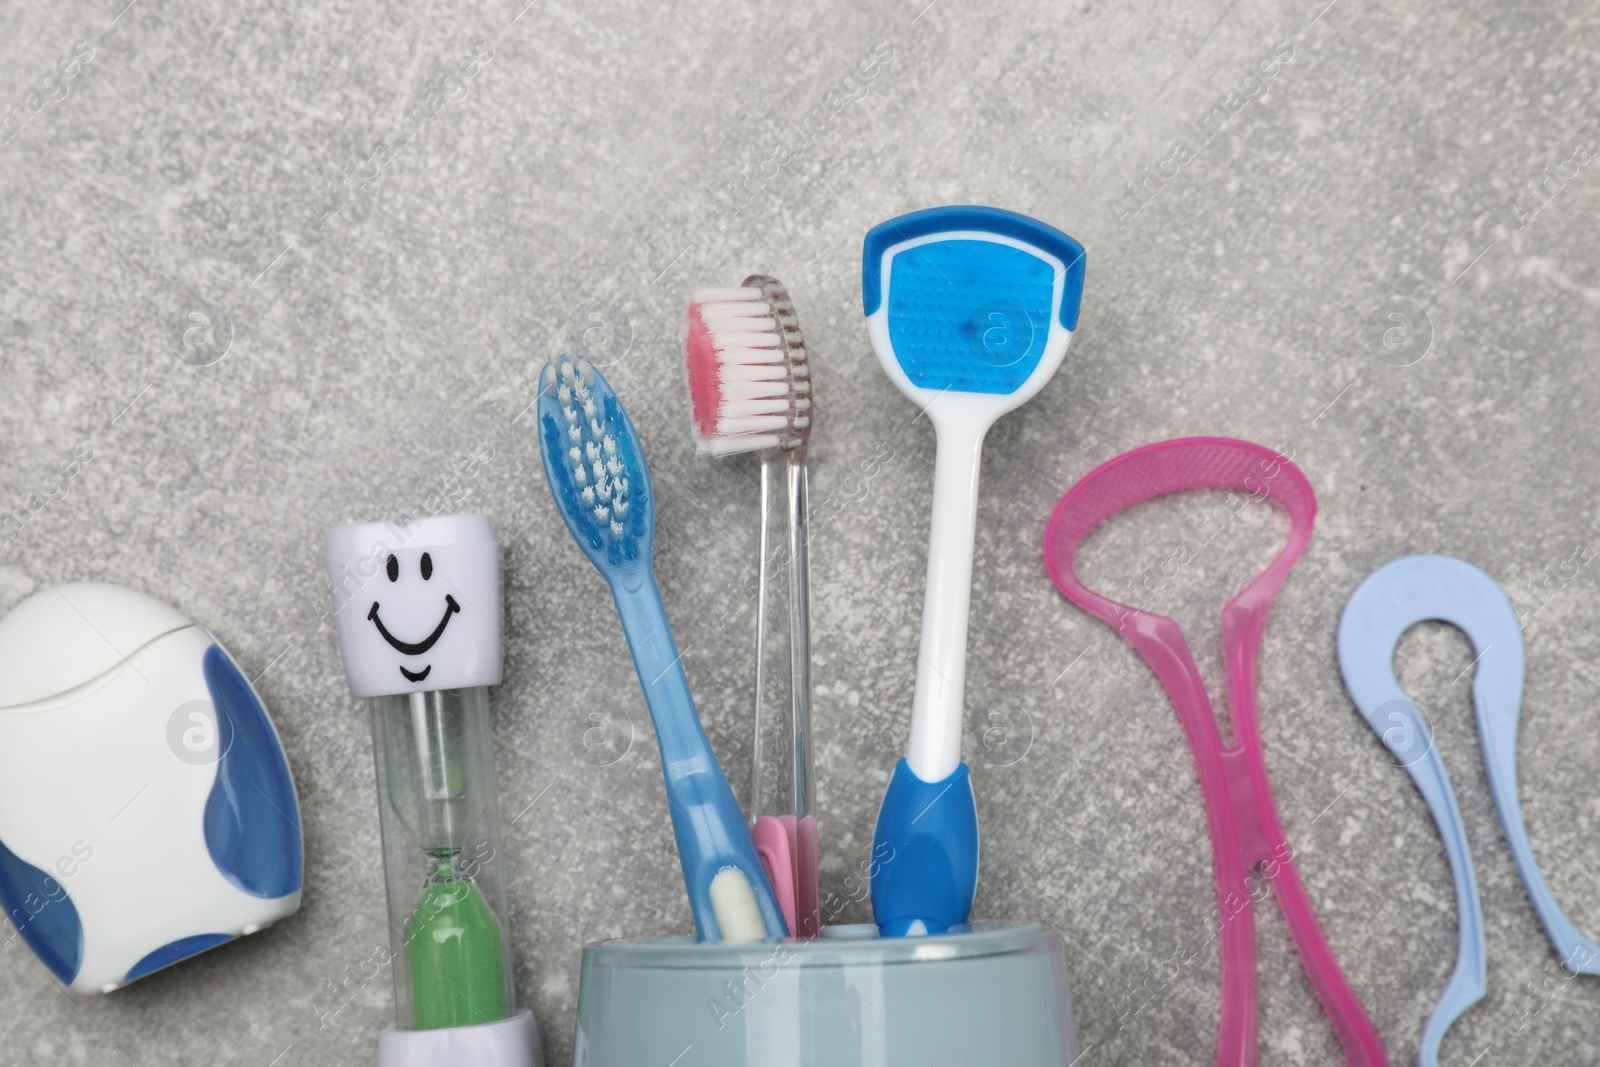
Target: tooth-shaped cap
(417,607)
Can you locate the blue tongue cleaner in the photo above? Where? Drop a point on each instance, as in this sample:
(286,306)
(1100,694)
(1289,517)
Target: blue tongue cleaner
(978,302)
(965,313)
(969,316)
(1387,603)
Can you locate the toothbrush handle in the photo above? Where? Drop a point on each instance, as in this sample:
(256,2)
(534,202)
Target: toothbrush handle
(771,702)
(808,892)
(934,751)
(660,670)
(706,821)
(781,776)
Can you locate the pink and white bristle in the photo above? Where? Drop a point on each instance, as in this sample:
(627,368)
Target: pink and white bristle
(749,377)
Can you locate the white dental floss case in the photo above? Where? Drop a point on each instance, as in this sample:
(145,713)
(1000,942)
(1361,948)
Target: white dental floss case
(147,812)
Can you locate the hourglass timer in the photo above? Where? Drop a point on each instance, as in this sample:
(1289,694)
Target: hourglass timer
(417,610)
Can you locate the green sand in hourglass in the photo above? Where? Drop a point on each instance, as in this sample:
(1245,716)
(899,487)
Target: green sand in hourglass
(436,778)
(453,944)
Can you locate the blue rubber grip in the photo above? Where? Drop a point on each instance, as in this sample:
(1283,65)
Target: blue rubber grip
(926,851)
(175,952)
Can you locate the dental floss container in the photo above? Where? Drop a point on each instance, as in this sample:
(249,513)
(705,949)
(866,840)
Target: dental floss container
(147,811)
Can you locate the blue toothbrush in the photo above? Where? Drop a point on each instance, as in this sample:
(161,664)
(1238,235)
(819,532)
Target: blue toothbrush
(970,310)
(597,475)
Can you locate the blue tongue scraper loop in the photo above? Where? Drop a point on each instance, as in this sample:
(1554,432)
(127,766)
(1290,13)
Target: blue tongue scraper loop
(1390,601)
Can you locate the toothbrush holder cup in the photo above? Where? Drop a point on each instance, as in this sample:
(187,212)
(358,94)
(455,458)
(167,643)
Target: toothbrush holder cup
(996,992)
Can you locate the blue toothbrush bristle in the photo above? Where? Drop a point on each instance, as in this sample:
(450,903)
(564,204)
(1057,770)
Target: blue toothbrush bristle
(591,453)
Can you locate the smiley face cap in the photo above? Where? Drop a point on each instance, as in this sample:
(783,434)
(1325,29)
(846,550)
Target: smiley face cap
(417,607)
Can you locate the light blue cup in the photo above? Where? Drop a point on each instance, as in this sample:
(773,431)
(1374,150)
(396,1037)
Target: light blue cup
(995,994)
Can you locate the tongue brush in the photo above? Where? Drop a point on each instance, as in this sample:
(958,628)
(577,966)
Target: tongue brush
(596,471)
(970,310)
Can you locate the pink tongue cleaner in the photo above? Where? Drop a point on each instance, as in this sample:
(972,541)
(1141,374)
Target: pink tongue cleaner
(701,359)
(1243,818)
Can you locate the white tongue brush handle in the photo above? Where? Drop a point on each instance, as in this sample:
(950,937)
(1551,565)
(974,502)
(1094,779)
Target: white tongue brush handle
(934,751)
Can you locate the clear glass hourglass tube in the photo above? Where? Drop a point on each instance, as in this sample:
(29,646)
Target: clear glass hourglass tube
(441,845)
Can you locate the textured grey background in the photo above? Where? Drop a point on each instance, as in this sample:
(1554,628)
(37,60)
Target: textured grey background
(567,194)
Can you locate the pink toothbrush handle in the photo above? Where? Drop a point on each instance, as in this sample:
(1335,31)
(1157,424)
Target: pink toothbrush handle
(775,839)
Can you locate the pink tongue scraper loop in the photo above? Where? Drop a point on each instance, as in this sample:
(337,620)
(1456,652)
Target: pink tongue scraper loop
(1243,819)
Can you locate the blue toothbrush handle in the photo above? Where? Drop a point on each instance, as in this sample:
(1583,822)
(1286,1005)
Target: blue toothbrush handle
(706,819)
(925,853)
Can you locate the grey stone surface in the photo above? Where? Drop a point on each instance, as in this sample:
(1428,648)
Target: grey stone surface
(361,346)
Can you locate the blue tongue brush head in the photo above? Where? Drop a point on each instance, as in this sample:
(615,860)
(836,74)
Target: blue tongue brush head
(971,300)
